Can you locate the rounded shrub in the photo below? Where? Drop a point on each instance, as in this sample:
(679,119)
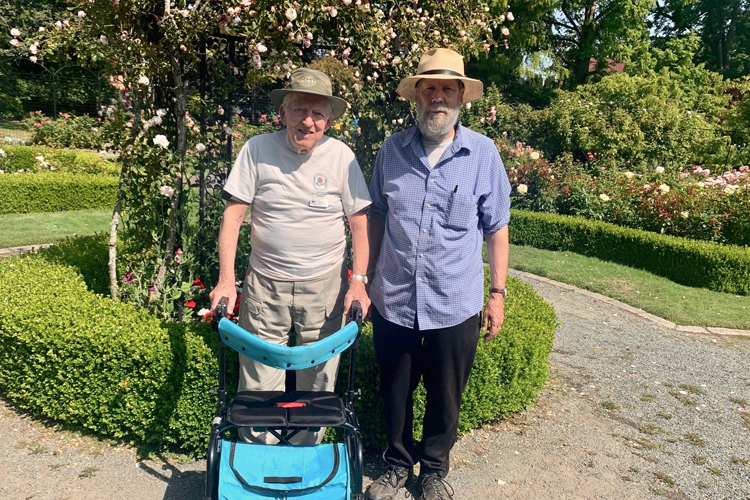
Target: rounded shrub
(72,355)
(82,359)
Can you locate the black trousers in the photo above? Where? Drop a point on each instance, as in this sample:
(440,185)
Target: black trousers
(443,358)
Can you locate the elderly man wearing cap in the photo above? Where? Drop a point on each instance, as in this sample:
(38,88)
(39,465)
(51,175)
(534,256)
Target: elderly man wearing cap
(438,189)
(301,184)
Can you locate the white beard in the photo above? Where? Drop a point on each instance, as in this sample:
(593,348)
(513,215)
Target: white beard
(435,127)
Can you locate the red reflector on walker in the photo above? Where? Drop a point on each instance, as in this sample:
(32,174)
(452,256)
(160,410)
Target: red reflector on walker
(290,405)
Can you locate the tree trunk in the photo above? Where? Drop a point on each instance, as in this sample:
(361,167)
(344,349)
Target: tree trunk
(115,222)
(586,45)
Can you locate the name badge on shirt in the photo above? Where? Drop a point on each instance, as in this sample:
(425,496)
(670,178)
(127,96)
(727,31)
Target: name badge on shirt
(319,203)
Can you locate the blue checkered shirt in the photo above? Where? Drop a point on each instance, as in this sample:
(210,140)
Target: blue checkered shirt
(430,264)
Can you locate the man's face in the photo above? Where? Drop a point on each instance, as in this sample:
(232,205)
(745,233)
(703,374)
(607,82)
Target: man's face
(306,119)
(438,103)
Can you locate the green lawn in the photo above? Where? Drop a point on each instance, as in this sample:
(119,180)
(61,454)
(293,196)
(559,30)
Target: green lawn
(14,129)
(31,229)
(654,294)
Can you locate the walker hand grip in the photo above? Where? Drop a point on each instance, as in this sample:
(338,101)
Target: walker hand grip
(219,312)
(356,314)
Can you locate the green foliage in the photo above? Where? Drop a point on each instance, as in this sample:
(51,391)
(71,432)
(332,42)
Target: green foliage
(78,358)
(87,255)
(692,263)
(50,192)
(77,132)
(83,359)
(10,107)
(722,26)
(628,120)
(25,159)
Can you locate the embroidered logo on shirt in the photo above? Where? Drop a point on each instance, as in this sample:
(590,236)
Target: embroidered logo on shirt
(320,182)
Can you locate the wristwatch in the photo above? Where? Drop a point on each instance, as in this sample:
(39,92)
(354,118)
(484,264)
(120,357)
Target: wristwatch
(360,277)
(502,291)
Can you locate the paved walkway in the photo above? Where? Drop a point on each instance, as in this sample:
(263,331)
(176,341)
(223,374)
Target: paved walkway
(633,409)
(9,252)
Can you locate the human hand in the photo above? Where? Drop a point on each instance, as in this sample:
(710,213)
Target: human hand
(357,292)
(223,289)
(494,314)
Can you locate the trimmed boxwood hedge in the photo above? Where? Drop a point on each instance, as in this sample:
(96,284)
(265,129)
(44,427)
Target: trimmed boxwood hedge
(80,358)
(723,268)
(68,161)
(52,192)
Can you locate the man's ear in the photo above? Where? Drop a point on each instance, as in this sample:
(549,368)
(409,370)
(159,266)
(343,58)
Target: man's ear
(282,114)
(328,123)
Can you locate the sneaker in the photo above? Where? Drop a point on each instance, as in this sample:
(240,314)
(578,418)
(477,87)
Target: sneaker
(387,486)
(434,487)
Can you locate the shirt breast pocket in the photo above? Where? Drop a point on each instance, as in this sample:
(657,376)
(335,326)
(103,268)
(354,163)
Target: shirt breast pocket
(462,211)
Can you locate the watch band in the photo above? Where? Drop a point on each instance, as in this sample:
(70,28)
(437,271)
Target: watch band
(360,277)
(502,291)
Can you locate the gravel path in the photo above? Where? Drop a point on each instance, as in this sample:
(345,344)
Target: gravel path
(633,409)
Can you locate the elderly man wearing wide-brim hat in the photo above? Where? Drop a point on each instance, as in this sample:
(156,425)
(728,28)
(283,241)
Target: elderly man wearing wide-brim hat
(438,190)
(301,184)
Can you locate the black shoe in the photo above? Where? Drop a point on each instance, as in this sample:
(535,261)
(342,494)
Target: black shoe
(434,487)
(387,486)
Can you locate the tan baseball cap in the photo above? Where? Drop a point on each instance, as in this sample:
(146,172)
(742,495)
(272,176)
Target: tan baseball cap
(310,81)
(440,64)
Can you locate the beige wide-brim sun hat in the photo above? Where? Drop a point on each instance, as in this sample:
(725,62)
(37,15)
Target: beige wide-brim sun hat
(440,64)
(310,81)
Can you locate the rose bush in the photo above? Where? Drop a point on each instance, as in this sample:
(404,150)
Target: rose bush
(709,204)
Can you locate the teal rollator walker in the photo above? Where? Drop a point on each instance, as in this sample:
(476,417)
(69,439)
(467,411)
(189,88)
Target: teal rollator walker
(237,470)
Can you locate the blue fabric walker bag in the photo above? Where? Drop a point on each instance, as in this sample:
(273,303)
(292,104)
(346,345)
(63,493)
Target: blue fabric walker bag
(250,471)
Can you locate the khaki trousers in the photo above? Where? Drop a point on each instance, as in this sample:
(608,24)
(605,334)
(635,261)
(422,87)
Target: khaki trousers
(272,310)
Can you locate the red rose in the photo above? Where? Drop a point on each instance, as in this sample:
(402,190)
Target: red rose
(190,304)
(208,317)
(236,311)
(198,282)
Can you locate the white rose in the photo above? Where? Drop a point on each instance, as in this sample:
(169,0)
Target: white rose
(81,14)
(15,33)
(522,188)
(161,140)
(291,14)
(629,175)
(534,155)
(200,147)
(663,188)
(603,197)
(161,112)
(659,170)
(143,80)
(509,16)
(2,154)
(166,190)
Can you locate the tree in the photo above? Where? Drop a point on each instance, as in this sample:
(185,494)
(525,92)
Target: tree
(723,26)
(154,49)
(599,30)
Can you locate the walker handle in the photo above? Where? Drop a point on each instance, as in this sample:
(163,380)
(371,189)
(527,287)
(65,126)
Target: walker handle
(219,312)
